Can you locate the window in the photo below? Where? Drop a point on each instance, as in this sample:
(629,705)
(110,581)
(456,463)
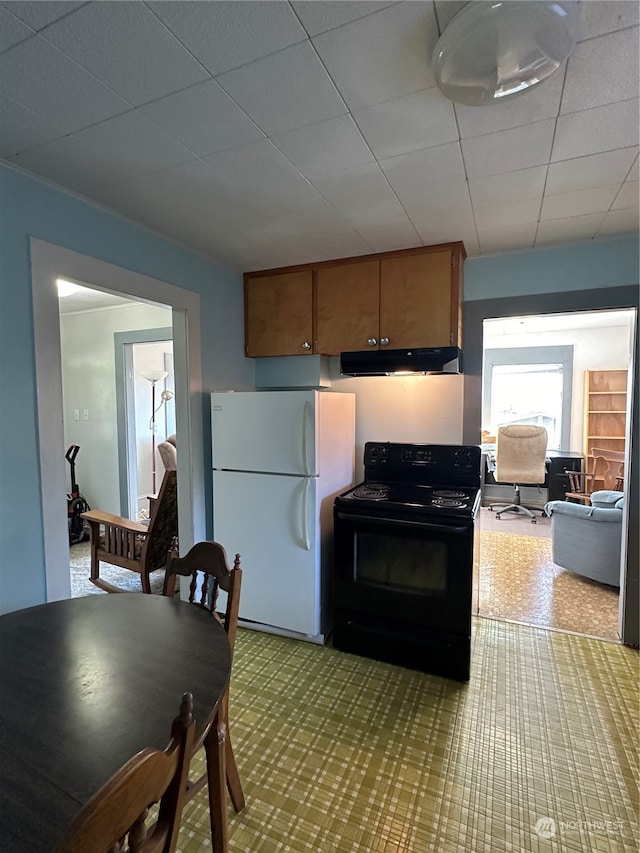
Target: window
(529,385)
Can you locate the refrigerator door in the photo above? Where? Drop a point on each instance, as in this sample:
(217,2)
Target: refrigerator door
(265,431)
(271,522)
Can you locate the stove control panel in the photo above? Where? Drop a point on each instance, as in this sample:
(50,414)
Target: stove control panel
(428,463)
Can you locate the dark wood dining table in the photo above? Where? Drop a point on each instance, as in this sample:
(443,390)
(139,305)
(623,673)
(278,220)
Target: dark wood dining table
(86,683)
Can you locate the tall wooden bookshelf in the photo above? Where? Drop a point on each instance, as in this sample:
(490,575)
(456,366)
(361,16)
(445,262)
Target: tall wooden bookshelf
(605,409)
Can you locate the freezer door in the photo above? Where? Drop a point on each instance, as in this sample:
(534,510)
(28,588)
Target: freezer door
(269,521)
(265,431)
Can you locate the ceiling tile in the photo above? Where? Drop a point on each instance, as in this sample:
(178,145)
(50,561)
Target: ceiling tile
(508,150)
(616,222)
(383,56)
(634,172)
(40,13)
(188,186)
(448,9)
(359,192)
(225,35)
(70,163)
(419,174)
(134,143)
(538,103)
(593,79)
(627,196)
(410,123)
(573,204)
(128,49)
(596,19)
(585,172)
(203,118)
(389,235)
(504,215)
(12,30)
(52,76)
(318,16)
(287,90)
(326,147)
(568,230)
(21,129)
(508,187)
(505,238)
(596,130)
(261,168)
(444,224)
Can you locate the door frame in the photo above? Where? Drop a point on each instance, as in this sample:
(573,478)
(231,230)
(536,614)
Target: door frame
(48,262)
(124,412)
(569,302)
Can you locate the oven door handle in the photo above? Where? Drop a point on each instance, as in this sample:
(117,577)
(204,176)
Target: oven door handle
(401,522)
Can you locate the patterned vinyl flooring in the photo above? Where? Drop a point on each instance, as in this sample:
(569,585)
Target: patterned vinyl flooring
(341,754)
(516,579)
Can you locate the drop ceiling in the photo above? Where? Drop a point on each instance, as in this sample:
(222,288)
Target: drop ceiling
(262,134)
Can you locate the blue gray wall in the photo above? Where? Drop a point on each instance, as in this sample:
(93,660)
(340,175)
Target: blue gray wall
(32,208)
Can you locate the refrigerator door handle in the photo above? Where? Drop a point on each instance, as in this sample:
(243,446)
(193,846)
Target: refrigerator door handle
(305,506)
(306,423)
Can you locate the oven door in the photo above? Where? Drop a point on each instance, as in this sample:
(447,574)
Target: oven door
(401,570)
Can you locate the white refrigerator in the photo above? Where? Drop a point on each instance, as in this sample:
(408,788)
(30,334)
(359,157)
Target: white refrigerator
(279,460)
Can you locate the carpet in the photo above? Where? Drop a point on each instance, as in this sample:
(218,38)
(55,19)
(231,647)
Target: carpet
(80,569)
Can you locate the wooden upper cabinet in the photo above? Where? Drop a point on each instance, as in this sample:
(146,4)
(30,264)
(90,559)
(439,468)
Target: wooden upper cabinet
(347,307)
(419,301)
(279,314)
(408,298)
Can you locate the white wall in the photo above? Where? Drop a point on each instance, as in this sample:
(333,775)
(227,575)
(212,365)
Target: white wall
(88,382)
(413,409)
(605,347)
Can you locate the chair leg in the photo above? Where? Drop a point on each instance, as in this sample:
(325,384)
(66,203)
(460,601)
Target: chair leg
(215,750)
(234,785)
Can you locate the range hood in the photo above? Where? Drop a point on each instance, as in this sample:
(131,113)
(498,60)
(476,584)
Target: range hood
(384,362)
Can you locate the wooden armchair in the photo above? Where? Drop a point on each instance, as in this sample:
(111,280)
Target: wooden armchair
(131,545)
(118,810)
(603,469)
(206,564)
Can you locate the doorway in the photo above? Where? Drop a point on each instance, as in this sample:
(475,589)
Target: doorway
(48,262)
(517,578)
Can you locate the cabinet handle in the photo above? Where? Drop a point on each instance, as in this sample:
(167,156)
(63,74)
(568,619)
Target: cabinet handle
(384,342)
(372,342)
(306,345)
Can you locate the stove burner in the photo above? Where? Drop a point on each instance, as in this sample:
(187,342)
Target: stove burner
(448,502)
(448,493)
(372,492)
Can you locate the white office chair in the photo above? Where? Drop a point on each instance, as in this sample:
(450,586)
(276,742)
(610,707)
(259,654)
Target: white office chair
(521,452)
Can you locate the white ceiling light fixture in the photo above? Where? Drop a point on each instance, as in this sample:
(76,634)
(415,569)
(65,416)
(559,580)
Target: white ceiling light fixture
(491,51)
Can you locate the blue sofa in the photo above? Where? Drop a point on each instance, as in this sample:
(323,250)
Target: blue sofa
(588,539)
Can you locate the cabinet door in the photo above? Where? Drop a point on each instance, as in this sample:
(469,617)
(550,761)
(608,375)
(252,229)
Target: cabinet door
(347,307)
(418,305)
(279,314)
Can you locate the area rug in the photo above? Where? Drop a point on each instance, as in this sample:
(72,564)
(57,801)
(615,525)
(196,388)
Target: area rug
(519,581)
(80,569)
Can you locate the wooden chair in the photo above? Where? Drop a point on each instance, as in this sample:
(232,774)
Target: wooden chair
(207,566)
(131,545)
(613,467)
(113,820)
(602,470)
